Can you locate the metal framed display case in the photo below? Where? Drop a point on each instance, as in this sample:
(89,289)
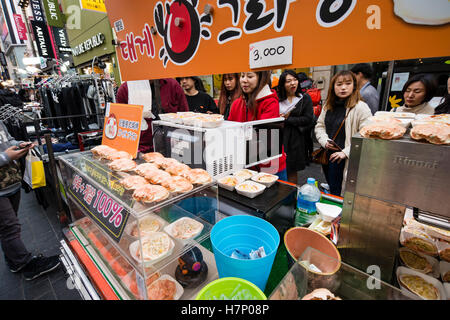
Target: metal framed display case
(384,178)
(347,283)
(112,228)
(221,150)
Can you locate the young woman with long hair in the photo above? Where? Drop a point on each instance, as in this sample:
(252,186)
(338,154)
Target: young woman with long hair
(343,106)
(258,102)
(297,109)
(229,91)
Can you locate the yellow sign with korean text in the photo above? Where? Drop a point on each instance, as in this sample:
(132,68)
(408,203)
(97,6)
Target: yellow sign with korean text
(122,128)
(94,5)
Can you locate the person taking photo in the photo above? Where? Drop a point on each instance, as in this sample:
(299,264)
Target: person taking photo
(17,257)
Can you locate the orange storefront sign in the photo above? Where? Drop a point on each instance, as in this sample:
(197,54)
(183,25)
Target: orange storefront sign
(122,127)
(179,38)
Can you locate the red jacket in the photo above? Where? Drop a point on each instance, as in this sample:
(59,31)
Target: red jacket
(267,107)
(173,99)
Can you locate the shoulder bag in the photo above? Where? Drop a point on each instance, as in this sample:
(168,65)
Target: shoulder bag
(320,155)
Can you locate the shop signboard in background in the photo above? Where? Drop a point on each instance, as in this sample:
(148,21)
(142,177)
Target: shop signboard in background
(61,40)
(122,128)
(189,41)
(36,8)
(89,44)
(42,37)
(94,5)
(53,13)
(4,28)
(21,28)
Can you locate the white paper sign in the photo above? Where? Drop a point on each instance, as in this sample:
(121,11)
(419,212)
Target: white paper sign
(399,80)
(140,93)
(272,52)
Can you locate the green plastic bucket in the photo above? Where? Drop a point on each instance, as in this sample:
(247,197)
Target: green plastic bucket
(230,288)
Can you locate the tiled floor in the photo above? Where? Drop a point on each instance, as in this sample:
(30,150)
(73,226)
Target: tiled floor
(41,233)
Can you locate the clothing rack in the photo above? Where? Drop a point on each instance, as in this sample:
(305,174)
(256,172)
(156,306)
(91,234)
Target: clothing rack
(40,133)
(102,92)
(8,111)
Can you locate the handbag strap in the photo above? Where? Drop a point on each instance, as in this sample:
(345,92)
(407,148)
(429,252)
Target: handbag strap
(35,153)
(340,127)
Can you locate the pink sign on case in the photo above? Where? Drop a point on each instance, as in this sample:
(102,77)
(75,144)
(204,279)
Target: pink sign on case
(21,28)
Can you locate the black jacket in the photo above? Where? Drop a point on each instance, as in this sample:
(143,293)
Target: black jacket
(296,127)
(9,97)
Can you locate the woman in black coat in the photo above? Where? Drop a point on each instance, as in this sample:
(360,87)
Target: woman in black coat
(297,109)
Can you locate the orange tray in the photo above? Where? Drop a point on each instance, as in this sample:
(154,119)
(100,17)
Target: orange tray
(94,273)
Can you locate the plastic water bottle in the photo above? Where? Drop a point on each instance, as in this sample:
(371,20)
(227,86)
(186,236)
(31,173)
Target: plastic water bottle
(307,197)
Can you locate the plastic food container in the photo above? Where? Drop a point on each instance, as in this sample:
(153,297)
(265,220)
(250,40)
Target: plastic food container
(179,289)
(436,283)
(189,121)
(433,262)
(135,246)
(169,229)
(211,123)
(182,116)
(328,212)
(404,122)
(398,115)
(169,117)
(444,268)
(409,235)
(447,289)
(130,226)
(268,179)
(438,233)
(416,123)
(444,250)
(241,189)
(245,174)
(322,226)
(222,184)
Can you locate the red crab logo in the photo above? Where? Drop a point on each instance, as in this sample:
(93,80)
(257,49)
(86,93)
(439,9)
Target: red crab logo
(111,127)
(181,27)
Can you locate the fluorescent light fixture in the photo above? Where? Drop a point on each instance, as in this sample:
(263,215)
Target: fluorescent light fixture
(31,61)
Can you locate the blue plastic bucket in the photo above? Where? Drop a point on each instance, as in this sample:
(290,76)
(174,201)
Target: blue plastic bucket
(244,233)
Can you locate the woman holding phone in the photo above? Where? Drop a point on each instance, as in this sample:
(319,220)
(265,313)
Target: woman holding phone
(343,115)
(259,102)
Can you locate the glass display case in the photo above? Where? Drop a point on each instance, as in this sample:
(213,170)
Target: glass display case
(347,283)
(145,250)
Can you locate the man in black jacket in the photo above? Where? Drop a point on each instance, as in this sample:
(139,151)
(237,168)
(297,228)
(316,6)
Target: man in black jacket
(198,100)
